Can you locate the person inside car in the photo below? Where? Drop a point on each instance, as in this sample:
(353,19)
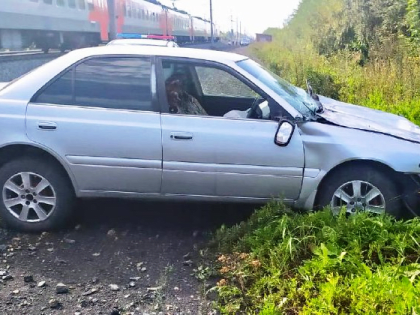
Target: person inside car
(180,101)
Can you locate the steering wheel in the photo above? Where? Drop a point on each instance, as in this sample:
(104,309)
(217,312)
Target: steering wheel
(253,110)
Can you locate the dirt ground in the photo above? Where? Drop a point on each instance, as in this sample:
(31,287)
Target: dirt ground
(118,257)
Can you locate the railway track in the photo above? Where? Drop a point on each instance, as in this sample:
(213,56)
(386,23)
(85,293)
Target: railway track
(39,54)
(27,54)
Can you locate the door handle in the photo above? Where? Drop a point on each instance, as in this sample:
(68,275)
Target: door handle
(181,136)
(46,125)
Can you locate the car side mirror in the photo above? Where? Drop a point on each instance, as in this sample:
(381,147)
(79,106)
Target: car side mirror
(284,133)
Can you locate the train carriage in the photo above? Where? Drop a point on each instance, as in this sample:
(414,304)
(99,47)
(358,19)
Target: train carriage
(70,24)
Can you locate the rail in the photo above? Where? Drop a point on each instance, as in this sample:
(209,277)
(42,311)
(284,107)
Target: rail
(6,56)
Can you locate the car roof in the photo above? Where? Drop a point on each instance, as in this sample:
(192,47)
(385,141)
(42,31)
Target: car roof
(25,87)
(192,53)
(140,41)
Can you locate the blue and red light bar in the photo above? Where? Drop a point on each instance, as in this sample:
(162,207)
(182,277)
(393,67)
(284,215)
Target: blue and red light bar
(141,36)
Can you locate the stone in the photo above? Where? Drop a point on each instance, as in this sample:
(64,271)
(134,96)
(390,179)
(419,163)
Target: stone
(69,241)
(90,292)
(61,288)
(54,304)
(114,287)
(188,263)
(111,233)
(132,284)
(41,284)
(28,279)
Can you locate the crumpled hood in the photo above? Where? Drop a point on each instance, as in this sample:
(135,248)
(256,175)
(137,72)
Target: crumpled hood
(3,84)
(360,117)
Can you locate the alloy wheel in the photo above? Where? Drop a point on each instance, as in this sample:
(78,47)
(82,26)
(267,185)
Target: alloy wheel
(29,197)
(358,196)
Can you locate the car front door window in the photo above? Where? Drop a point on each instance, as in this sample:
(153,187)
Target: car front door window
(216,82)
(210,91)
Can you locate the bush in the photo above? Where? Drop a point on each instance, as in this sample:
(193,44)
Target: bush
(281,262)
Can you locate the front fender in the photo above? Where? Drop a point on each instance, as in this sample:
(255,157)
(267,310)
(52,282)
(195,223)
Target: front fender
(329,146)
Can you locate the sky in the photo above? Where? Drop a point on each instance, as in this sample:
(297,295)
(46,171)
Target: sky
(255,16)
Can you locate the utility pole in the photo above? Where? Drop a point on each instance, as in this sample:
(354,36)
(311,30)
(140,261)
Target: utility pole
(237,30)
(211,21)
(231,27)
(112,18)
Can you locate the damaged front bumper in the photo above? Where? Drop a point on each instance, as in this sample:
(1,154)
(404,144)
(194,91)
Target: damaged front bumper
(410,196)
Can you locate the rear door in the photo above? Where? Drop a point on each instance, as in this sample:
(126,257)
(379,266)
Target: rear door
(102,118)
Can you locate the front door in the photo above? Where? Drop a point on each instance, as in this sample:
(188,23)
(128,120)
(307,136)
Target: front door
(217,156)
(101,118)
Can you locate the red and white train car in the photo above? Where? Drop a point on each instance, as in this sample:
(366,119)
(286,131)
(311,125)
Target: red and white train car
(70,24)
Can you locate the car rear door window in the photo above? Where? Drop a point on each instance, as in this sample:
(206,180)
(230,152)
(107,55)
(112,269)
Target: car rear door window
(121,83)
(59,92)
(118,83)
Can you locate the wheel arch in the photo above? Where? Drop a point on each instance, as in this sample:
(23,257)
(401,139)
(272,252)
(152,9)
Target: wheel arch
(16,150)
(386,169)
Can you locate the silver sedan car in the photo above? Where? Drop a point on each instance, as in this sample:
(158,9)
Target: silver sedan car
(164,123)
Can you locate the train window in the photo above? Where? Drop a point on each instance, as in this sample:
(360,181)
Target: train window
(82,4)
(59,92)
(60,3)
(48,1)
(91,7)
(120,83)
(128,9)
(135,10)
(72,4)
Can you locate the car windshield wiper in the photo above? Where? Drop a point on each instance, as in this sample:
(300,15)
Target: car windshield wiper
(320,107)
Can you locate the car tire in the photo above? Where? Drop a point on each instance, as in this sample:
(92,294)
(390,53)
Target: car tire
(19,207)
(344,183)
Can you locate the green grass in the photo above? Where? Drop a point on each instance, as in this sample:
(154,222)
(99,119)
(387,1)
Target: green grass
(280,262)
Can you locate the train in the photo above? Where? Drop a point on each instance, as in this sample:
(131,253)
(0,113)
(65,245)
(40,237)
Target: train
(73,24)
